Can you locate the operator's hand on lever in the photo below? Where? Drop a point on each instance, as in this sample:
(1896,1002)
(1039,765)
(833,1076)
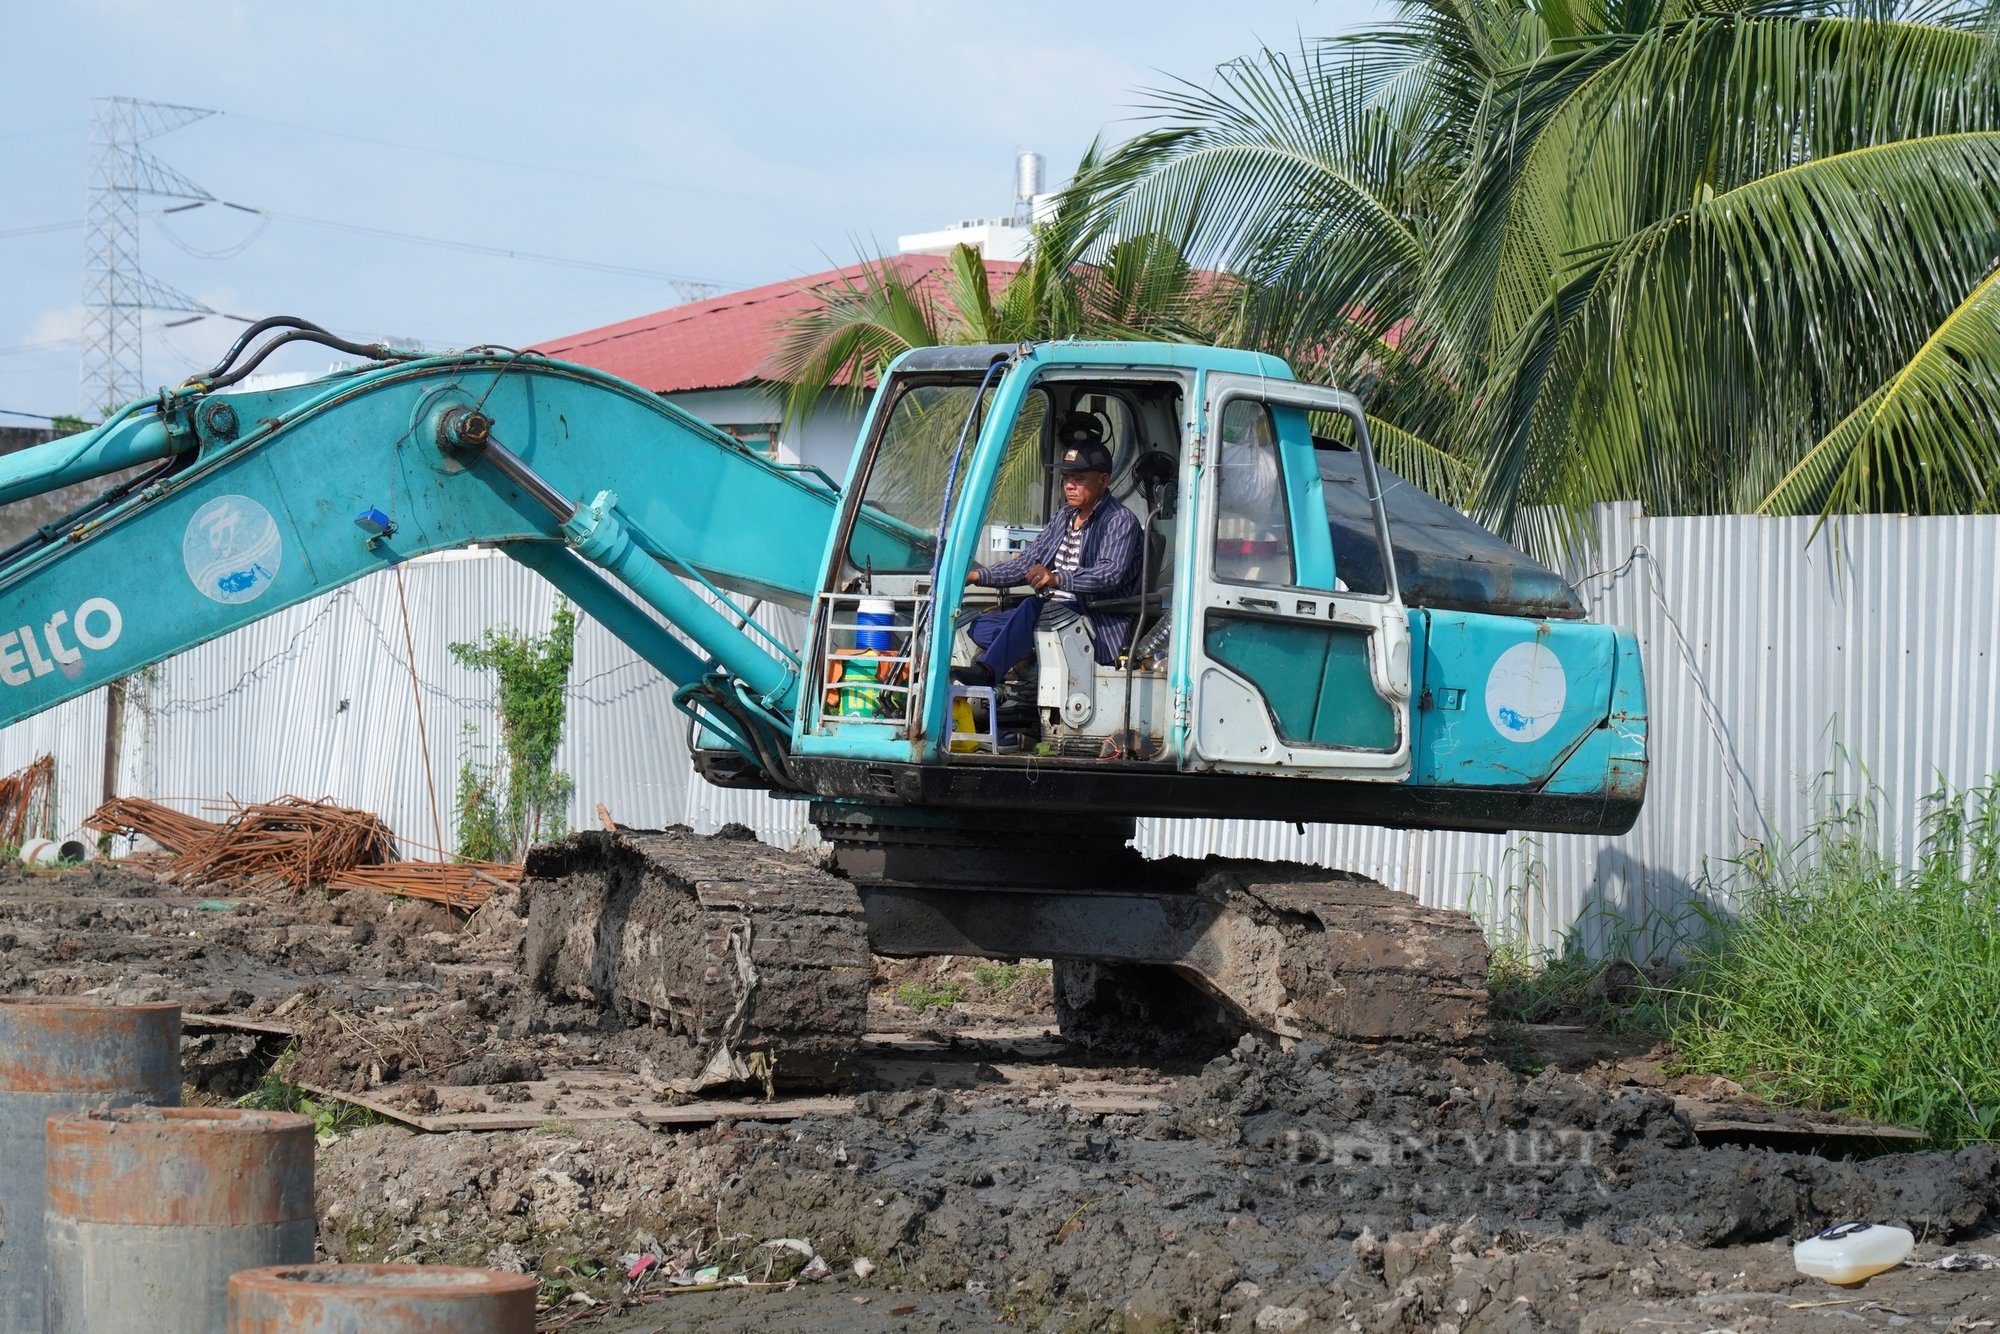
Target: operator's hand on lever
(1041,577)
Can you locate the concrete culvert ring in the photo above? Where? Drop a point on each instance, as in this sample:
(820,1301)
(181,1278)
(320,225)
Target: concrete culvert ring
(385,1299)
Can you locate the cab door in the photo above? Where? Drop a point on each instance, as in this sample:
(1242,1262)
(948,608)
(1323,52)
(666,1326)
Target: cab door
(1290,671)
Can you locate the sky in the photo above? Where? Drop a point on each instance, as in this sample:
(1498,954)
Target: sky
(730,143)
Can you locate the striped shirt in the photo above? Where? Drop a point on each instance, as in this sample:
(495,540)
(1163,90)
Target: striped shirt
(1065,562)
(1107,566)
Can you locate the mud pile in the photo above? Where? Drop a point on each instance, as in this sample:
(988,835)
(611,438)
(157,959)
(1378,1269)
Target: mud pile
(1340,1184)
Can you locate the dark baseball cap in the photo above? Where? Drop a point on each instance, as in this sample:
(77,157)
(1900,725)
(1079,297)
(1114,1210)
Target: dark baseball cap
(1084,458)
(1080,444)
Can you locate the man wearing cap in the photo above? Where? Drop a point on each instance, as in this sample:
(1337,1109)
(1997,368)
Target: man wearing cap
(1088,552)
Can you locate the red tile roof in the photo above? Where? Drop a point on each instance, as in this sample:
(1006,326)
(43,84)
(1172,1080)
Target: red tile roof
(722,342)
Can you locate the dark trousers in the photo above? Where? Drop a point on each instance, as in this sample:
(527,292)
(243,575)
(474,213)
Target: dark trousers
(1007,637)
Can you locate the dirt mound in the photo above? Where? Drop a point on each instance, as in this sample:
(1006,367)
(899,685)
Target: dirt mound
(1340,1183)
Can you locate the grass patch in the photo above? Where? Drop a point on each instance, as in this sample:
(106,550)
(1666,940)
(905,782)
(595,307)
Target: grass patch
(920,997)
(1604,972)
(1566,986)
(996,976)
(1849,983)
(995,979)
(330,1116)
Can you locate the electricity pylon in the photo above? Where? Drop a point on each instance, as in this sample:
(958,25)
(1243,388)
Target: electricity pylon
(115,288)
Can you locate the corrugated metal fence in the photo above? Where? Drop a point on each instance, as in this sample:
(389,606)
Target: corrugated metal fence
(1782,673)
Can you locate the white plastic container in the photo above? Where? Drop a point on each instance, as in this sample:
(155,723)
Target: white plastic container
(1850,1252)
(875,612)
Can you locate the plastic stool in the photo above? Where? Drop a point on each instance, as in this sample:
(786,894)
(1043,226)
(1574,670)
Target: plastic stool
(989,739)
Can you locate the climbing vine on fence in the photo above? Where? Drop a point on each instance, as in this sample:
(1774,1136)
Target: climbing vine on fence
(505,806)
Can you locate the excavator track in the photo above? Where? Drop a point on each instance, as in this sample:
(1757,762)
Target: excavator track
(750,964)
(1296,952)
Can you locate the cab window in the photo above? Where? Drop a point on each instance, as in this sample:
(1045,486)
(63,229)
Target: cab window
(1019,504)
(908,472)
(1253,541)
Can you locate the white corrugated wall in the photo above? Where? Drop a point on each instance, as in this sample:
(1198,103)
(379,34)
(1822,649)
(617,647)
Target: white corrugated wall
(1781,671)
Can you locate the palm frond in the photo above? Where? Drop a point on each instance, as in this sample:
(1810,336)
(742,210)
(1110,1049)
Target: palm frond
(858,328)
(1927,440)
(1687,112)
(1739,331)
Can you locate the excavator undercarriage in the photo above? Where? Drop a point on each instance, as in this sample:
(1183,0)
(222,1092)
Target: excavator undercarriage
(754,964)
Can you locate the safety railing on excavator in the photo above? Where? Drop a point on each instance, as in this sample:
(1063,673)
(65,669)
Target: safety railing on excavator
(867,652)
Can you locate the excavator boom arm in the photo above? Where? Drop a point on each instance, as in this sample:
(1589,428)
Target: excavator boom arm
(284,495)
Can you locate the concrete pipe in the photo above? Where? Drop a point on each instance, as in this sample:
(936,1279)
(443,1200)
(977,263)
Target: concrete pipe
(381,1299)
(53,852)
(59,1056)
(150,1210)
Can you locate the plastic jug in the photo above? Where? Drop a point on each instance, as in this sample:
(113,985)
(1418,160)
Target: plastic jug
(964,729)
(1850,1252)
(875,612)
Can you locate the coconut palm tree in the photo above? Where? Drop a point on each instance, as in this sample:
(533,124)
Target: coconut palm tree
(1711,259)
(1140,287)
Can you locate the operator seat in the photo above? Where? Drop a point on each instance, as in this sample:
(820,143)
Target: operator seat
(1066,668)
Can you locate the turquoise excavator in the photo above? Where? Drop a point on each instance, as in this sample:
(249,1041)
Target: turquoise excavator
(1313,639)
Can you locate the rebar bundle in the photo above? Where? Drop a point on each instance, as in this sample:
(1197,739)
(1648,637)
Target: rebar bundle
(464,885)
(24,800)
(289,843)
(169,828)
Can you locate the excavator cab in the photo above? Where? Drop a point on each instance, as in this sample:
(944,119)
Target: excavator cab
(1246,652)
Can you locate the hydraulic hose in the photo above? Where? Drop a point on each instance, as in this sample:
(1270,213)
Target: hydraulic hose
(227,371)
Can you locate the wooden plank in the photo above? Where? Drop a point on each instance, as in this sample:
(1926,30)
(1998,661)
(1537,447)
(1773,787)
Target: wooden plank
(235,1023)
(609,1095)
(529,1115)
(1753,1119)
(1022,1043)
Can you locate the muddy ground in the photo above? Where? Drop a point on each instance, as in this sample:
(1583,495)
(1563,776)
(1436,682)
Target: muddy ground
(1543,1184)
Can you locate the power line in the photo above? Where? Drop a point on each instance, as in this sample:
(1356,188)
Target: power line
(46,345)
(680,188)
(42,227)
(690,288)
(74,224)
(693,289)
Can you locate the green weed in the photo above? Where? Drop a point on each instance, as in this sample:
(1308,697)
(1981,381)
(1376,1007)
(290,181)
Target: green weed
(567,1277)
(993,978)
(504,808)
(920,997)
(274,1093)
(1849,983)
(1602,970)
(996,976)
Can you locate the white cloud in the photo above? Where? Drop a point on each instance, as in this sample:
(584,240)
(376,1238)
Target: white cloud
(56,326)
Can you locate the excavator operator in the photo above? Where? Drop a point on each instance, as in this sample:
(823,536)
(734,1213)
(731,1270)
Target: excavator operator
(1089,550)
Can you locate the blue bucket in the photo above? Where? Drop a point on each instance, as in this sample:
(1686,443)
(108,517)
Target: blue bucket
(876,612)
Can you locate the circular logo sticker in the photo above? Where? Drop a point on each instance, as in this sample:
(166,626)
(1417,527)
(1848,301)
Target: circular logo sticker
(232,549)
(1525,692)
